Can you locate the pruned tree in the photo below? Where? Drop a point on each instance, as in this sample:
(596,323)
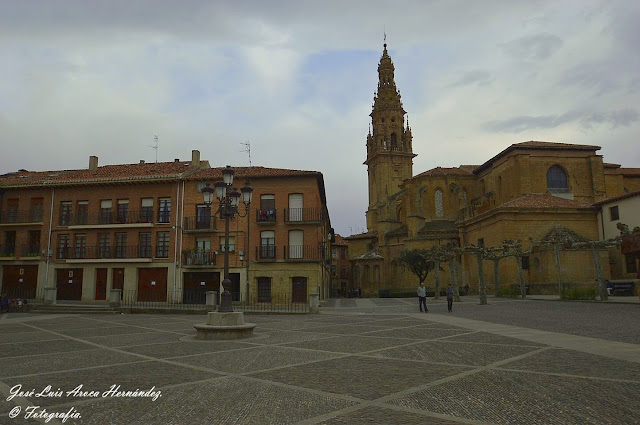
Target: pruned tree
(478,253)
(417,261)
(594,247)
(514,248)
(496,254)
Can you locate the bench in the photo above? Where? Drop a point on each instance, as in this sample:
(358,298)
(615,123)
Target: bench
(622,287)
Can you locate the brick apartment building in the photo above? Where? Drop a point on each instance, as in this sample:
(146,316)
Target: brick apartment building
(341,278)
(144,228)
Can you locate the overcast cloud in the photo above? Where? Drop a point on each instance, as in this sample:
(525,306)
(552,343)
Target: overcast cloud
(296,80)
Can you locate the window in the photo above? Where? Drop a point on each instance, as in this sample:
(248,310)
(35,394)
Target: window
(267,210)
(334,252)
(296,244)
(162,247)
(203,244)
(203,217)
(63,246)
(81,246)
(121,245)
(36,209)
(394,140)
(232,244)
(343,272)
(13,210)
(144,245)
(343,253)
(65,213)
(614,213)
(164,210)
(264,289)
(481,242)
(146,210)
(557,179)
(34,242)
(295,207)
(104,245)
(9,243)
(267,244)
(438,203)
(123,210)
(525,262)
(82,212)
(106,208)
(631,264)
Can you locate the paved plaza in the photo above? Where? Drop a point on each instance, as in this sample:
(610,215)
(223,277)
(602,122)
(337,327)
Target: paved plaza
(364,361)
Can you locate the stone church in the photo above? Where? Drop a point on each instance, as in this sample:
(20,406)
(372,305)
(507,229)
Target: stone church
(530,189)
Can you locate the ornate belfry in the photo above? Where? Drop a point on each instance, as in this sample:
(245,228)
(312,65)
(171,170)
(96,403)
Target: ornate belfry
(389,145)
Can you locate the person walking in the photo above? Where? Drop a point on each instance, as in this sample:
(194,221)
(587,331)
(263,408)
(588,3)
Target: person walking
(422,297)
(449,297)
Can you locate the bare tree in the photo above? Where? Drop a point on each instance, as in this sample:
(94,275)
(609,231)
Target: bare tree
(496,254)
(514,248)
(478,253)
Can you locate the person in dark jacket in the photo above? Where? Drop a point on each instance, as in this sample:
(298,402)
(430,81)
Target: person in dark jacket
(449,297)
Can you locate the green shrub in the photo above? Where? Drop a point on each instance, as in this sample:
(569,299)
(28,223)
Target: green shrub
(579,294)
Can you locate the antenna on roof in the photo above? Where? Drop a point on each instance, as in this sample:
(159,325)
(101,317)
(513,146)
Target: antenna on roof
(247,149)
(155,146)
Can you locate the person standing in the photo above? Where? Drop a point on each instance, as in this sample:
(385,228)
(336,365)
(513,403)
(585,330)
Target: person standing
(422,297)
(449,297)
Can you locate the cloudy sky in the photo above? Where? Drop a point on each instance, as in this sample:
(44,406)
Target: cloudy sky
(296,80)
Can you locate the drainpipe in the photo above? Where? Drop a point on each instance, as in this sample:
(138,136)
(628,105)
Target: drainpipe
(46,277)
(175,242)
(602,221)
(181,233)
(246,247)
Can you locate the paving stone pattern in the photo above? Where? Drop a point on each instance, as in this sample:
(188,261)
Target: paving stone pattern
(359,362)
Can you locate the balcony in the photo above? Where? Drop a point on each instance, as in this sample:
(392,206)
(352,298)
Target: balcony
(8,251)
(266,252)
(30,250)
(200,224)
(266,216)
(33,216)
(112,253)
(303,215)
(303,252)
(199,258)
(107,219)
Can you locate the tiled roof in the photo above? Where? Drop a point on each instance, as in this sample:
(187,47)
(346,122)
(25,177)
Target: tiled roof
(125,172)
(610,165)
(366,235)
(340,240)
(539,146)
(440,171)
(468,168)
(371,255)
(543,201)
(560,233)
(139,172)
(617,198)
(251,172)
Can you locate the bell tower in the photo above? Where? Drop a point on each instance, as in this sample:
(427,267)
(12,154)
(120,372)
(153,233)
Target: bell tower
(389,146)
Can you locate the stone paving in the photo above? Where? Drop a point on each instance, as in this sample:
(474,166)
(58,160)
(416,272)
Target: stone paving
(365,362)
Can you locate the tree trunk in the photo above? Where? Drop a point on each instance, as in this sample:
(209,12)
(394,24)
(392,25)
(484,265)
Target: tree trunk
(496,277)
(482,290)
(454,280)
(523,290)
(602,287)
(556,253)
(437,290)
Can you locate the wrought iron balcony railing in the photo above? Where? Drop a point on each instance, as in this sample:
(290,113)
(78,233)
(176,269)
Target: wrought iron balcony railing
(110,252)
(303,215)
(199,258)
(266,216)
(15,216)
(200,223)
(105,217)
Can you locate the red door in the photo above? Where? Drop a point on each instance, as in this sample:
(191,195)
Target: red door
(299,290)
(69,283)
(101,284)
(20,281)
(196,284)
(152,284)
(118,281)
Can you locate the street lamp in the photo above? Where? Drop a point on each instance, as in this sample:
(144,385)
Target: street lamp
(229,200)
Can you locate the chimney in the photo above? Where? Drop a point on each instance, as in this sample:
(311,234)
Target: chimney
(176,160)
(142,161)
(195,158)
(93,163)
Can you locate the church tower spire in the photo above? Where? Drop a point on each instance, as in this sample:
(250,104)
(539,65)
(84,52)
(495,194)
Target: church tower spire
(389,147)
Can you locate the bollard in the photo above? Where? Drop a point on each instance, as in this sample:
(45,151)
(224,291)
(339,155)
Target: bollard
(314,303)
(114,297)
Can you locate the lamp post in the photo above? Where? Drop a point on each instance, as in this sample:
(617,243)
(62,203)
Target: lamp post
(229,199)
